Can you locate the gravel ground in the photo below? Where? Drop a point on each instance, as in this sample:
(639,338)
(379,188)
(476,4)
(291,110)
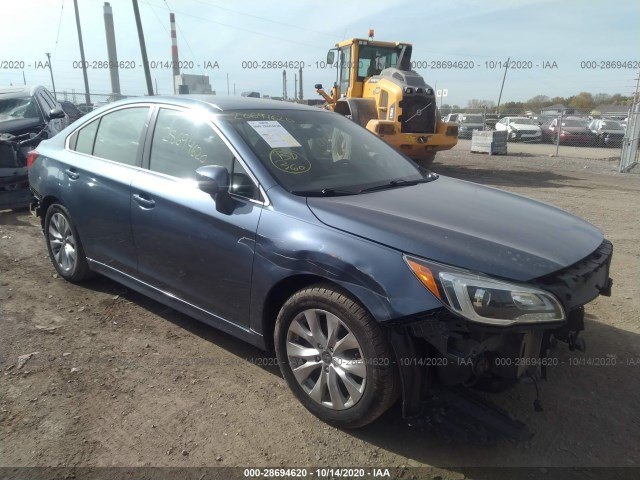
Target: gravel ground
(116,379)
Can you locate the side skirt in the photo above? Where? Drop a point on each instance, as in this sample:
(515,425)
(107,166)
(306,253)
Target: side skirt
(178,304)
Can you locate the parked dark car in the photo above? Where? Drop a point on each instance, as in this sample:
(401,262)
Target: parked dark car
(468,123)
(572,132)
(294,228)
(72,111)
(609,132)
(85,107)
(27,114)
(540,119)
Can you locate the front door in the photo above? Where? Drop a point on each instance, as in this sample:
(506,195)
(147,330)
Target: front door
(185,246)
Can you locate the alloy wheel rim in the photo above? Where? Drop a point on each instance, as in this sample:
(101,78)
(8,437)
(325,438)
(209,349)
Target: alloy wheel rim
(62,242)
(326,359)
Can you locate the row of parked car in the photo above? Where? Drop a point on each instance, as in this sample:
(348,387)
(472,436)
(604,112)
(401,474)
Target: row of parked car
(570,130)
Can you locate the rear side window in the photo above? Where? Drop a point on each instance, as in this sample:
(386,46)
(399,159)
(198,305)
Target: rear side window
(119,135)
(182,143)
(86,137)
(46,102)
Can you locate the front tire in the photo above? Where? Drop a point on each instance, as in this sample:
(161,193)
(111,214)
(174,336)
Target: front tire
(335,358)
(64,246)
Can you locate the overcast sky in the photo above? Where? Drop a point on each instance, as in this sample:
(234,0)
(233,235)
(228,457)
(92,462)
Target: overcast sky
(479,33)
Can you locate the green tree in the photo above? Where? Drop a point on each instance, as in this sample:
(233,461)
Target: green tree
(582,101)
(474,103)
(601,99)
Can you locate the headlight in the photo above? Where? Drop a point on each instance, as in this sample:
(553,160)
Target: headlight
(485,299)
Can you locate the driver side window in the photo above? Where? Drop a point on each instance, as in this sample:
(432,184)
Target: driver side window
(182,143)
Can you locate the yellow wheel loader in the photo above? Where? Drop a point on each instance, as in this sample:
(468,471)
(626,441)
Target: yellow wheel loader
(376,88)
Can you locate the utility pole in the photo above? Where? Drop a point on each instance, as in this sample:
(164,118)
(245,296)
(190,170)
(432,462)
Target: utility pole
(143,48)
(300,87)
(87,97)
(503,79)
(284,85)
(53,84)
(295,87)
(227,84)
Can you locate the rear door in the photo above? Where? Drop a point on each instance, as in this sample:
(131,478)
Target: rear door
(104,157)
(185,246)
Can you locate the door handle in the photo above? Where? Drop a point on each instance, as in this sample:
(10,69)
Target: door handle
(72,174)
(144,202)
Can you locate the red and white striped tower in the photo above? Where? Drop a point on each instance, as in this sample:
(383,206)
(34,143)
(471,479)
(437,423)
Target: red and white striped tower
(174,51)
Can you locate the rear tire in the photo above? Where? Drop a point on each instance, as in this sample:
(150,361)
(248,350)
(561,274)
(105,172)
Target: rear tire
(64,246)
(335,357)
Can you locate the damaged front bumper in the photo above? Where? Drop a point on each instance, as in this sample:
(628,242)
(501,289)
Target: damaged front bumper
(444,348)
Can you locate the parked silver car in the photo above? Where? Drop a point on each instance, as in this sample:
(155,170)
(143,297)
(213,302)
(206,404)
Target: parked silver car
(610,132)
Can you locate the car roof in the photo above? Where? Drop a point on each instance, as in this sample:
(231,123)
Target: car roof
(19,91)
(219,103)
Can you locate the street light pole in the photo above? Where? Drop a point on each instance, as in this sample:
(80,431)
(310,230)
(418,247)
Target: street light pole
(502,87)
(87,97)
(51,72)
(143,48)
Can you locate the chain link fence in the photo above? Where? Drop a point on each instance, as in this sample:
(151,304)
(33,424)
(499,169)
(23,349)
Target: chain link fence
(97,99)
(550,134)
(629,159)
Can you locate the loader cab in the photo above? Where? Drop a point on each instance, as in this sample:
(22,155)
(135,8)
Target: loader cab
(359,59)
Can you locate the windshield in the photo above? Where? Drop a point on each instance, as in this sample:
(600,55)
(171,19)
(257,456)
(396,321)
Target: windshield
(472,119)
(372,60)
(322,152)
(522,121)
(18,109)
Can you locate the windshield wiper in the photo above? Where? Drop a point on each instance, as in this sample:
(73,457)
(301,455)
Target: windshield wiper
(325,192)
(400,183)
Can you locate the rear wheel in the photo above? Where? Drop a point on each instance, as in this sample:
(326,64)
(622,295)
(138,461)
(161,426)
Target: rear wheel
(335,357)
(64,246)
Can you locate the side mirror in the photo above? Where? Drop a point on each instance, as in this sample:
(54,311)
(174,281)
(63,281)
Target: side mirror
(56,113)
(214,180)
(331,56)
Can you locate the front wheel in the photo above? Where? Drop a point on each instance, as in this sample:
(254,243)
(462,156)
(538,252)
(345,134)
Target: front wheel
(335,357)
(64,246)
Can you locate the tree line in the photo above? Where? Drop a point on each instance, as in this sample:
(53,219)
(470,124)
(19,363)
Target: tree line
(582,101)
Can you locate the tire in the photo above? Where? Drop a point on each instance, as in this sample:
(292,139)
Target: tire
(64,246)
(334,357)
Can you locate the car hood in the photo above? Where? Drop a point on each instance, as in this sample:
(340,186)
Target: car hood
(582,130)
(20,126)
(525,126)
(465,225)
(610,131)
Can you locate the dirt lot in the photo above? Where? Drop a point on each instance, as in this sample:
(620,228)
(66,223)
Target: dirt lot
(120,380)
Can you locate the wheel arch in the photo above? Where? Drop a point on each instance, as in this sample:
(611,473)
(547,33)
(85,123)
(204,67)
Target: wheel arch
(361,110)
(283,290)
(45,203)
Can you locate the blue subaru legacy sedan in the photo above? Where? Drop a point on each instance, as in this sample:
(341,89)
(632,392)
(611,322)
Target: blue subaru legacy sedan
(297,230)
